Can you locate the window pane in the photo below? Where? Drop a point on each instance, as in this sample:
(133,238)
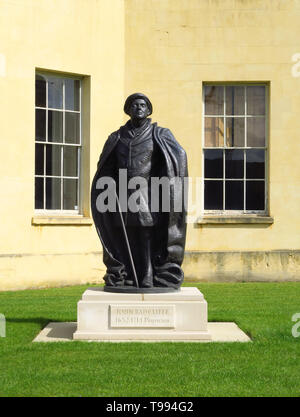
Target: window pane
(72,134)
(39,193)
(256,131)
(213,195)
(234,163)
(255,195)
(55,126)
(53,193)
(70,195)
(61,99)
(235,100)
(234,195)
(39,159)
(55,93)
(70,161)
(214,131)
(235,131)
(40,91)
(214,100)
(255,163)
(72,94)
(213,163)
(53,160)
(256,100)
(40,125)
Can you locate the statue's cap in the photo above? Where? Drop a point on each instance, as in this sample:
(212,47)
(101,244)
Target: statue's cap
(134,96)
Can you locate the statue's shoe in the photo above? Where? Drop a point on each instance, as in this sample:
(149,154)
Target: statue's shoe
(147,282)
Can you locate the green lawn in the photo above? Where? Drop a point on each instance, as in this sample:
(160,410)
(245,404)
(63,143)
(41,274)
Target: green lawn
(269,366)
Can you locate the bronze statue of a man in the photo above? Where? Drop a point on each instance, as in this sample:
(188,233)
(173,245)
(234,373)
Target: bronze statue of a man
(143,247)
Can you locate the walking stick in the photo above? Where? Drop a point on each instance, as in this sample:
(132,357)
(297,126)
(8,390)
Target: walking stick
(127,243)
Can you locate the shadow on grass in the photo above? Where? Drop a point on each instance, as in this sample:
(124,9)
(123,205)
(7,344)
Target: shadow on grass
(42,321)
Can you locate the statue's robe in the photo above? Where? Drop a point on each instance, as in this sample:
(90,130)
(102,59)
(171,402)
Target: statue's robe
(169,239)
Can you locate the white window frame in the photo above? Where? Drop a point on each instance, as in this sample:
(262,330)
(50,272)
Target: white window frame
(225,212)
(61,212)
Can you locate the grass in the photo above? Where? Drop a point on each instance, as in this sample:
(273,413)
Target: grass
(270,366)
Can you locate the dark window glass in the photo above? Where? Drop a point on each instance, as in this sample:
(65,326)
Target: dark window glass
(234,163)
(214,100)
(235,100)
(70,161)
(40,125)
(55,126)
(213,163)
(72,134)
(72,94)
(255,195)
(70,200)
(53,193)
(55,92)
(53,160)
(39,159)
(213,195)
(40,91)
(39,193)
(234,195)
(255,163)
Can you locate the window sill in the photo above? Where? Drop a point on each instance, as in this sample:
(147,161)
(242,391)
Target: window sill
(61,220)
(249,219)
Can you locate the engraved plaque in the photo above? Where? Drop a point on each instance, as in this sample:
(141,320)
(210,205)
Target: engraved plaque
(149,315)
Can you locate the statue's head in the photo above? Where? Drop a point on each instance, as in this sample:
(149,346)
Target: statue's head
(138,106)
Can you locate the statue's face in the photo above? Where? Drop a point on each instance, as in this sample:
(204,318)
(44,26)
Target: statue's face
(139,109)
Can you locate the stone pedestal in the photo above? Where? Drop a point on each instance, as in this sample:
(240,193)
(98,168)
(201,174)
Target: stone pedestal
(179,316)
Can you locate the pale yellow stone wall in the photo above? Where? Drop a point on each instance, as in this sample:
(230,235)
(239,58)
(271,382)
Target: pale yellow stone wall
(174,46)
(282,265)
(78,36)
(166,49)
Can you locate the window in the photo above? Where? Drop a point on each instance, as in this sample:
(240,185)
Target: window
(235,149)
(57,143)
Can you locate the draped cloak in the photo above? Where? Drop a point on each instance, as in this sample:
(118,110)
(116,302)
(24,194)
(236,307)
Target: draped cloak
(169,244)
